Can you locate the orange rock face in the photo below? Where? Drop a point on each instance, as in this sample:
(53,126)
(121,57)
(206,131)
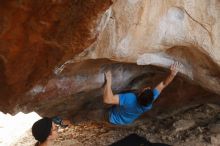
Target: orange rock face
(35,36)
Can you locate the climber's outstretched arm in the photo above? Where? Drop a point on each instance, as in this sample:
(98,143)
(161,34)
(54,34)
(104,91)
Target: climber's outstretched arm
(169,78)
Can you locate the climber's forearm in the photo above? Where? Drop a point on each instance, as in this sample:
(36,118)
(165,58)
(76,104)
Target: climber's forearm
(165,82)
(168,80)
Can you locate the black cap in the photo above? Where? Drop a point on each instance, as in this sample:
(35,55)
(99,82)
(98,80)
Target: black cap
(42,129)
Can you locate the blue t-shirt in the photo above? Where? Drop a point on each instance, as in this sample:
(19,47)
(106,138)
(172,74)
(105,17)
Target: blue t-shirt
(128,109)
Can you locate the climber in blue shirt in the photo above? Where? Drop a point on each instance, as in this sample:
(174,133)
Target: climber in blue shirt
(129,106)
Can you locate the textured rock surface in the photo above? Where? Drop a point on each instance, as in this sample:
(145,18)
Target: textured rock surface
(182,125)
(43,45)
(158,32)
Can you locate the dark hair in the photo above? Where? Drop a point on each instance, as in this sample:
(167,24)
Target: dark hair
(42,129)
(145,97)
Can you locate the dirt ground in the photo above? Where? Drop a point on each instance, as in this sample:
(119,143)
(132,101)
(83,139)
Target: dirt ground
(197,125)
